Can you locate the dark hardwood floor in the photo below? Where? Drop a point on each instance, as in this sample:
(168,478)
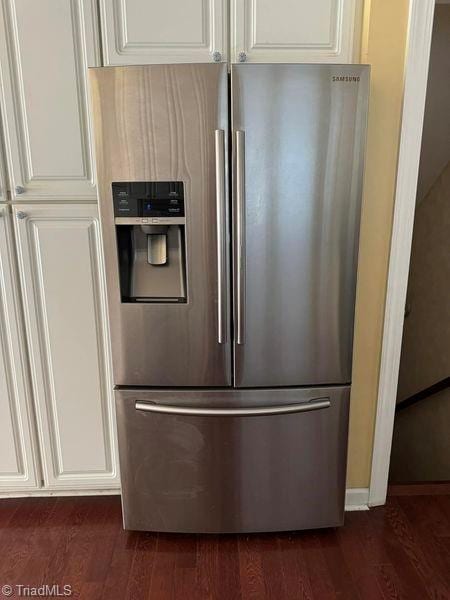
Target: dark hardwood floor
(401,550)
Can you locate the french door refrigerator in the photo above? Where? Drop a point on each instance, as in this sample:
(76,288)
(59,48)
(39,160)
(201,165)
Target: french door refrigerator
(230,214)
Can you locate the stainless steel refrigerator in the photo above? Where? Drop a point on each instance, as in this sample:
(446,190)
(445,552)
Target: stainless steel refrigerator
(230,207)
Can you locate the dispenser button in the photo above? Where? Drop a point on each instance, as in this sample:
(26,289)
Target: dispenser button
(144,220)
(155,220)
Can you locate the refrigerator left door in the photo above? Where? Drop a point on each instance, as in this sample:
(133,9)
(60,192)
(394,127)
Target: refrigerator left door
(161,135)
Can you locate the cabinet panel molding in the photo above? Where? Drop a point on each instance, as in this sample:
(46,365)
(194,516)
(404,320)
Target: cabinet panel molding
(295,30)
(163,31)
(18,468)
(66,316)
(44,97)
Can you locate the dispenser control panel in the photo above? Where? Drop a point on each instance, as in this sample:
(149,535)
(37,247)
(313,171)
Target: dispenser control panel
(148,199)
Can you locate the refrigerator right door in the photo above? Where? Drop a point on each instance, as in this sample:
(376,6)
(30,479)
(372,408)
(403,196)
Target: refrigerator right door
(299,140)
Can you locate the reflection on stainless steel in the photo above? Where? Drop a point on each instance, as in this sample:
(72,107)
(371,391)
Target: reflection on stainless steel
(304,148)
(232,473)
(157,123)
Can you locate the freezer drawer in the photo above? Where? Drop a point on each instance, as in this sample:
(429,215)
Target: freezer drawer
(209,461)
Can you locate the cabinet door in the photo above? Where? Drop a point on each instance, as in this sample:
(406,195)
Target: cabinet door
(17,465)
(62,281)
(295,30)
(45,49)
(163,31)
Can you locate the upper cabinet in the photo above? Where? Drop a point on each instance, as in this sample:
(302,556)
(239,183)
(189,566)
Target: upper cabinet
(161,31)
(295,30)
(44,97)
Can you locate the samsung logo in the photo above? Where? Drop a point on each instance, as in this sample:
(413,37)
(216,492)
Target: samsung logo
(346,78)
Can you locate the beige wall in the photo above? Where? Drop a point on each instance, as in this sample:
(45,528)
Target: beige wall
(383,46)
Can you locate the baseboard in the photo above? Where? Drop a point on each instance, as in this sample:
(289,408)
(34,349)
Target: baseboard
(41,493)
(357,499)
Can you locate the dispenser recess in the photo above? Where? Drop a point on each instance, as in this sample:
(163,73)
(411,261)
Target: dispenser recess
(151,240)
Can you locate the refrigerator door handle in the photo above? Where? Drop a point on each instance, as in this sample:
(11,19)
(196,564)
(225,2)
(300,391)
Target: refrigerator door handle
(258,411)
(240,236)
(221,238)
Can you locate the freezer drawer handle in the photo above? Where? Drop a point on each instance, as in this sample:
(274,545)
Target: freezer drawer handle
(258,411)
(221,238)
(240,236)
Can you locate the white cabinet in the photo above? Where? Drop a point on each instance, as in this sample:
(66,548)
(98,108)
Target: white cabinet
(17,457)
(161,31)
(64,301)
(45,49)
(295,30)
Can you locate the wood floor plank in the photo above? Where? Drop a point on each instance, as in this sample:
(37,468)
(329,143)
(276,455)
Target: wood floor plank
(397,551)
(363,574)
(444,506)
(294,570)
(8,506)
(102,542)
(119,571)
(271,562)
(187,583)
(250,570)
(410,541)
(429,530)
(140,575)
(389,583)
(22,538)
(389,558)
(208,567)
(44,546)
(340,574)
(317,568)
(163,585)
(69,516)
(222,577)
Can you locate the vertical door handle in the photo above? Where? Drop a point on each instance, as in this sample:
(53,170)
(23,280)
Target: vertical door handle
(240,236)
(221,238)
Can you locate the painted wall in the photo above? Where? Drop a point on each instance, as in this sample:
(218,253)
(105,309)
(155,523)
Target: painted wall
(435,151)
(425,356)
(421,444)
(383,46)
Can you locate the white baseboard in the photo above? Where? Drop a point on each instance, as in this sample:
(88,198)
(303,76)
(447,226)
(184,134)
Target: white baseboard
(41,493)
(357,499)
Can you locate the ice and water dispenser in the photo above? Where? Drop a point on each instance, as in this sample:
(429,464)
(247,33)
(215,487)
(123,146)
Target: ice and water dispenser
(151,240)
